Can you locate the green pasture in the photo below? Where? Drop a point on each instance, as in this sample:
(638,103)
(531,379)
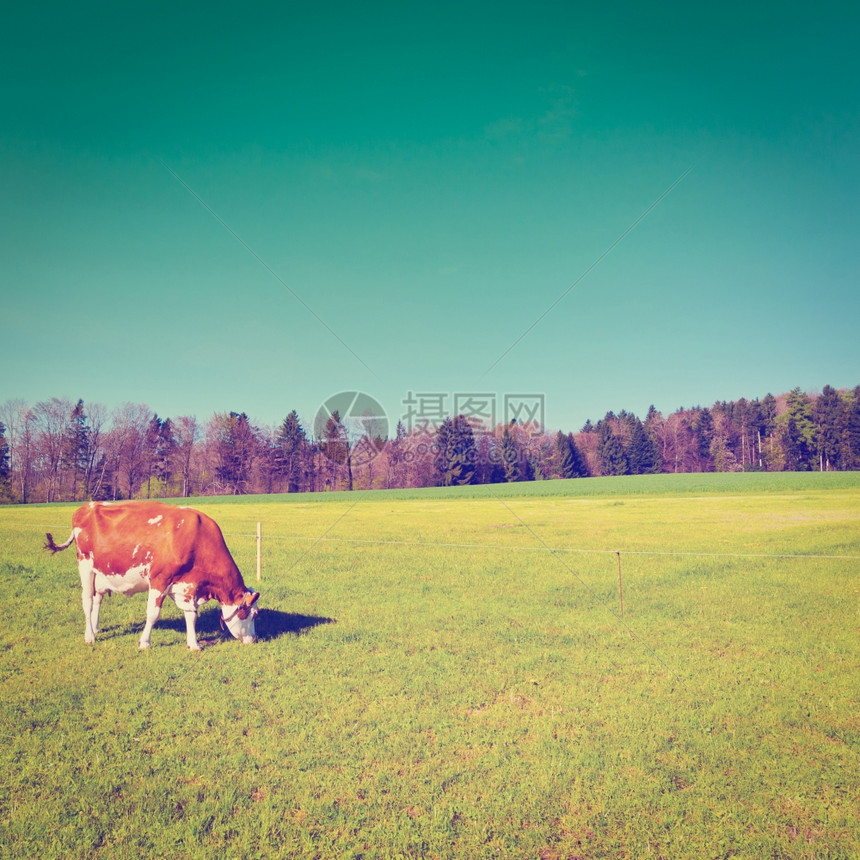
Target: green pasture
(447,674)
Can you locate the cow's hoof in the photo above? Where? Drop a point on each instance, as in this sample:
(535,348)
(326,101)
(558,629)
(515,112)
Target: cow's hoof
(143,646)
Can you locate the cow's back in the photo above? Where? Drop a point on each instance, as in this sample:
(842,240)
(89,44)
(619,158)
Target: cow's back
(119,536)
(173,543)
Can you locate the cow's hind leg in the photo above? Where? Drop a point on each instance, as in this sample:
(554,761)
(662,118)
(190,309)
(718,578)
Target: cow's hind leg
(88,589)
(94,614)
(153,610)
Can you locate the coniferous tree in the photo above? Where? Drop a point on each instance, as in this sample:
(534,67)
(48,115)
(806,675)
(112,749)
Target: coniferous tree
(577,459)
(702,426)
(289,442)
(642,451)
(613,460)
(795,455)
(768,413)
(766,431)
(851,431)
(456,454)
(336,447)
(802,442)
(236,449)
(76,445)
(571,462)
(153,433)
(829,414)
(754,453)
(534,468)
(396,458)
(510,457)
(722,455)
(5,486)
(166,453)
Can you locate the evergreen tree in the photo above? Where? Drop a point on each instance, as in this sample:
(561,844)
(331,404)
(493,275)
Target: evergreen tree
(336,447)
(851,431)
(510,457)
(802,431)
(742,418)
(756,419)
(767,429)
(703,430)
(768,413)
(613,460)
(571,462)
(565,458)
(4,454)
(236,451)
(456,452)
(289,442)
(643,453)
(76,447)
(5,484)
(165,452)
(396,450)
(795,456)
(723,456)
(653,419)
(829,414)
(160,447)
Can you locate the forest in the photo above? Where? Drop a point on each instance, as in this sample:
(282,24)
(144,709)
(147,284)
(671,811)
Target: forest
(60,450)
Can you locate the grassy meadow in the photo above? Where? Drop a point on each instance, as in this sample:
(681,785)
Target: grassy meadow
(447,674)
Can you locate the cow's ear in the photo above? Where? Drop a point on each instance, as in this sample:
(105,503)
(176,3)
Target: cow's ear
(251,597)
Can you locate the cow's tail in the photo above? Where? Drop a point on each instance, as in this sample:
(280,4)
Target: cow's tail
(49,543)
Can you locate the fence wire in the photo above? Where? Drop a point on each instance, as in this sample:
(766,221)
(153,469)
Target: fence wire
(449,545)
(267,536)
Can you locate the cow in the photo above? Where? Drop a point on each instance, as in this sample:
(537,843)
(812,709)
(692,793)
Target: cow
(166,550)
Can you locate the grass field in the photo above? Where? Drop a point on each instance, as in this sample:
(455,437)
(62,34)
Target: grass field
(447,674)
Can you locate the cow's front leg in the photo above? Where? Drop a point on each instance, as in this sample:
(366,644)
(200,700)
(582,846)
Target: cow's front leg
(153,610)
(191,628)
(184,597)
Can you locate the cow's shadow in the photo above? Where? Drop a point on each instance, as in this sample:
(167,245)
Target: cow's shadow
(270,624)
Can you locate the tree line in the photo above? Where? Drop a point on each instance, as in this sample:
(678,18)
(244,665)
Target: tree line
(59,450)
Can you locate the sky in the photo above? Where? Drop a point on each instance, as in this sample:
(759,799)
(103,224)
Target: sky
(251,208)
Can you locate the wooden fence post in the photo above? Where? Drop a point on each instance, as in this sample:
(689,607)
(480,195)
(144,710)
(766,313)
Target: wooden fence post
(620,589)
(259,552)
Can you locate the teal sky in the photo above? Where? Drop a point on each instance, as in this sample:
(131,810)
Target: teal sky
(428,180)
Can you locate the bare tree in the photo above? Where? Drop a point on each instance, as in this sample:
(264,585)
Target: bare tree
(187,433)
(97,415)
(51,421)
(130,423)
(16,414)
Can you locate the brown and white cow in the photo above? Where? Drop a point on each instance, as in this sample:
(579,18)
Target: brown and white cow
(130,547)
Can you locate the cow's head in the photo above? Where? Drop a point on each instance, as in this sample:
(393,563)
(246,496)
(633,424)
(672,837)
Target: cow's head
(239,617)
